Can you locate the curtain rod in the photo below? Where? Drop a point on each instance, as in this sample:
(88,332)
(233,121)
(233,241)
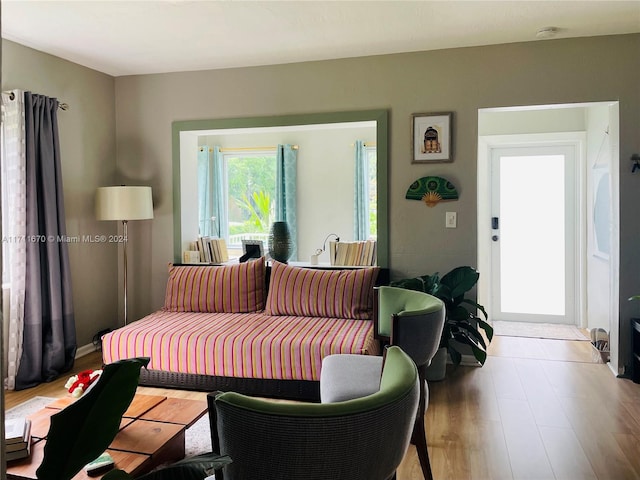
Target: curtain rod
(271,147)
(249,149)
(61,106)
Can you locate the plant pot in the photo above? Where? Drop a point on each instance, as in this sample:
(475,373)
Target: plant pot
(438,368)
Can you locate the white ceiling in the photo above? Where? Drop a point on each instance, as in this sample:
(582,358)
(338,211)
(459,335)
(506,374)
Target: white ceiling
(153,36)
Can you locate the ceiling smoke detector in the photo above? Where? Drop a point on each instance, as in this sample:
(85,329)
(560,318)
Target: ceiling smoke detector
(547,32)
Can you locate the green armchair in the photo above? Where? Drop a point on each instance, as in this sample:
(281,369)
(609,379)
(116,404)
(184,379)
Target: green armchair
(360,439)
(413,321)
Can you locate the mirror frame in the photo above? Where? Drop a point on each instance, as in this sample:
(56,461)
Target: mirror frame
(382,151)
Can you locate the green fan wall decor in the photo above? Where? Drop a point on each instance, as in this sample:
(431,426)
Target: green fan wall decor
(432,190)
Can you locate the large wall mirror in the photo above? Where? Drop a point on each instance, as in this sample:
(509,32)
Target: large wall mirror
(325,146)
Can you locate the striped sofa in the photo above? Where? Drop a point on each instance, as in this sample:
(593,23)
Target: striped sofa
(242,328)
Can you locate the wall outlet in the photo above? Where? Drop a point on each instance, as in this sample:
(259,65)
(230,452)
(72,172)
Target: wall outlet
(451,220)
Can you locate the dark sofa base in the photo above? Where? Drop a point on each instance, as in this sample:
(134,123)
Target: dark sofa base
(306,390)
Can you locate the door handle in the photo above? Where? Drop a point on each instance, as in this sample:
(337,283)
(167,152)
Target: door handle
(495,223)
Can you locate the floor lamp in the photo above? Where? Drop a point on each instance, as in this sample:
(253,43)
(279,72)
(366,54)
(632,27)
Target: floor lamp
(124,203)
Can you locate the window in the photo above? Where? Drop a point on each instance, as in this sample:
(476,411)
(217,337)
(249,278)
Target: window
(249,186)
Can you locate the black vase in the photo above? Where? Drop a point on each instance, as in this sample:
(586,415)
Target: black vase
(280,242)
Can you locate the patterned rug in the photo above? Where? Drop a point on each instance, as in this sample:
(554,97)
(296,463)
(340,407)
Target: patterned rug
(539,330)
(197,437)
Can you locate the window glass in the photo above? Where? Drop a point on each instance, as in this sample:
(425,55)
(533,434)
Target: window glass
(250,192)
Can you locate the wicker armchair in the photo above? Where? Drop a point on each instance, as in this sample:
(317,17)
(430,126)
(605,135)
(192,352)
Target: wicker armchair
(414,321)
(408,319)
(361,439)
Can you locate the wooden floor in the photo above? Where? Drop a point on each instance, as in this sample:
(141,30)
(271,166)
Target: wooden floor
(538,409)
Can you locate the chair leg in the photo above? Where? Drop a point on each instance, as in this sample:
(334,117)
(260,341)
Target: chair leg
(420,441)
(419,436)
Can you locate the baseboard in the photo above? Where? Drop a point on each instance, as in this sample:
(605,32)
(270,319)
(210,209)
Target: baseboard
(85,350)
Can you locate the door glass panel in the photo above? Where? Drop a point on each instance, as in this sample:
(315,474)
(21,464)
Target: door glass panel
(532,234)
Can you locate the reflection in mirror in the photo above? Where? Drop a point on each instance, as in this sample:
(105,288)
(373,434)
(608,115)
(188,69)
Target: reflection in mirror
(325,146)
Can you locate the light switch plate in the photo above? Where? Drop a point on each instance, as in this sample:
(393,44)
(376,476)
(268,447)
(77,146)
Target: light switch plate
(451,220)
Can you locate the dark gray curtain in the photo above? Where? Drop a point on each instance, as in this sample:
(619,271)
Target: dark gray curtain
(49,343)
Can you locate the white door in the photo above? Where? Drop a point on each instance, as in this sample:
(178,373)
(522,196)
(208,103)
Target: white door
(533,233)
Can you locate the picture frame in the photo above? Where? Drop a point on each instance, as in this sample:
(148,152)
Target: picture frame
(254,248)
(431,137)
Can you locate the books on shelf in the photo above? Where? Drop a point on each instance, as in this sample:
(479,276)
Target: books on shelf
(361,253)
(17,438)
(209,250)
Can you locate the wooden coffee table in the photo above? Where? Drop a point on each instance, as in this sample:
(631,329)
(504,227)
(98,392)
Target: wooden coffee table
(151,434)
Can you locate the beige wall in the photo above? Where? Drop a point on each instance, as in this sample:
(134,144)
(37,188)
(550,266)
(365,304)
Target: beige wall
(88,150)
(457,80)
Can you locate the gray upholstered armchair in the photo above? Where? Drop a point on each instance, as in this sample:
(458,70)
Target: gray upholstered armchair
(361,439)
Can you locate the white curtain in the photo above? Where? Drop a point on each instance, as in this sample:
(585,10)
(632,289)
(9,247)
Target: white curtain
(13,225)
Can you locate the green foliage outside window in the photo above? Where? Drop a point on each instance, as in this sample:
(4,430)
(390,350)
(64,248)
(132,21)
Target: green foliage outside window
(251,188)
(260,209)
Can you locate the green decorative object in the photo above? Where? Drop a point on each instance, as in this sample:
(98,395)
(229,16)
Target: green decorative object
(280,247)
(432,190)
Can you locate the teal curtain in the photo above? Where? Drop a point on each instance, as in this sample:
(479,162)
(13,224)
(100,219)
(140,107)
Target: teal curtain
(205,192)
(361,194)
(286,159)
(212,211)
(220,207)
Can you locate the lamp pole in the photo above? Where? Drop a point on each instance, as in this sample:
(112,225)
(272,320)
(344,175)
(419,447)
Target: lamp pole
(124,203)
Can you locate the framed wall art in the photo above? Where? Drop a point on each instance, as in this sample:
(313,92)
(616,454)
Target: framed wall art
(431,135)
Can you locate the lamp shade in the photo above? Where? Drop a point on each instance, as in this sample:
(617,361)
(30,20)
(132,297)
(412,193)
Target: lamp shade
(124,203)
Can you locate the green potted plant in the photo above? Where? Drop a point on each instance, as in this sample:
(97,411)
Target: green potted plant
(462,324)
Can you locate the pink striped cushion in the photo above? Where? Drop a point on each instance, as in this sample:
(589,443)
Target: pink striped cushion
(227,289)
(248,345)
(308,292)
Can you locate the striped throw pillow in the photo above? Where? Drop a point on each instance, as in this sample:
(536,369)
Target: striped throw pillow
(311,292)
(226,289)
